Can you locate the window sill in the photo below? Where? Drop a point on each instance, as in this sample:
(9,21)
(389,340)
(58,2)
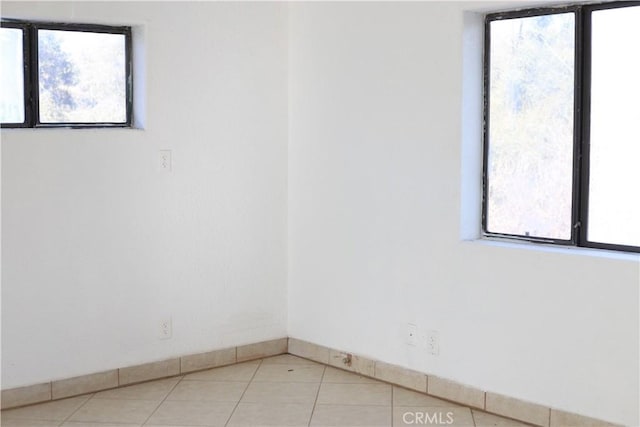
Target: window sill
(73,128)
(552,248)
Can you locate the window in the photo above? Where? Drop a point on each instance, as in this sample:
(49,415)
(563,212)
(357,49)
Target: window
(562,126)
(68,75)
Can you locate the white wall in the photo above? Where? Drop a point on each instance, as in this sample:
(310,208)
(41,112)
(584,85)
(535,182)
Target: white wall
(99,246)
(375,196)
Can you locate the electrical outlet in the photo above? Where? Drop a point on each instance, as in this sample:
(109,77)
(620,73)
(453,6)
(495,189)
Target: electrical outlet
(432,343)
(164,160)
(166,329)
(412,334)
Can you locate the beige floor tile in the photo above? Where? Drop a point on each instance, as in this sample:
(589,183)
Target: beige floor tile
(153,390)
(268,414)
(309,350)
(457,392)
(517,409)
(288,359)
(355,394)
(57,411)
(432,416)
(404,397)
(192,413)
(211,359)
(398,375)
(351,415)
(261,349)
(29,423)
(84,384)
(223,391)
(483,419)
(567,419)
(115,411)
(352,362)
(149,371)
(239,372)
(19,396)
(282,390)
(289,373)
(167,425)
(89,424)
(280,393)
(334,375)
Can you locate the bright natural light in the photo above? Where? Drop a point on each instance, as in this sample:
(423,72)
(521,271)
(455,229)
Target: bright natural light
(530,158)
(82,77)
(614,186)
(11,76)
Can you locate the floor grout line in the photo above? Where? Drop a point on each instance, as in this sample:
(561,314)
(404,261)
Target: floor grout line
(392,406)
(324,377)
(245,389)
(473,417)
(315,402)
(78,408)
(163,400)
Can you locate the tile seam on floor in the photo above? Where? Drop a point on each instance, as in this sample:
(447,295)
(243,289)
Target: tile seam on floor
(393,407)
(77,409)
(260,362)
(49,384)
(315,402)
(268,342)
(245,389)
(163,400)
(447,398)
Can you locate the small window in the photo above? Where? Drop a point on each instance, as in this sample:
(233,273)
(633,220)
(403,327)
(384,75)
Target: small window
(67,75)
(13,43)
(561,142)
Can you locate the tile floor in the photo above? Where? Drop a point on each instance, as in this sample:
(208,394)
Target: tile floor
(278,391)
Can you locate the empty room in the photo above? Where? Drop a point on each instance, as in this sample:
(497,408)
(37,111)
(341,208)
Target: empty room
(320,213)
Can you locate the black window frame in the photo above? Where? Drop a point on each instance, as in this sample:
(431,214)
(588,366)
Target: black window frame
(581,125)
(26,69)
(31,83)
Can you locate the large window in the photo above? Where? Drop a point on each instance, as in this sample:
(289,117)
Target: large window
(64,75)
(562,126)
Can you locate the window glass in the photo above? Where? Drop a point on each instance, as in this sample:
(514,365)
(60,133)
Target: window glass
(614,182)
(530,139)
(82,77)
(11,76)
